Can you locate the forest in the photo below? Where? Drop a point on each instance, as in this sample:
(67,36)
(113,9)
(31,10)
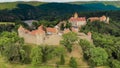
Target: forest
(28,12)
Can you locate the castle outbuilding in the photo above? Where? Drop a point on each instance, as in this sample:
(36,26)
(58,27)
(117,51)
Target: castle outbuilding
(101,19)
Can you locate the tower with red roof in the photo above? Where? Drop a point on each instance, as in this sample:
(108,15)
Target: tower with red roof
(77,21)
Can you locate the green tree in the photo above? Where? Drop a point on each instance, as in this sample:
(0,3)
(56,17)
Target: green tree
(35,25)
(47,23)
(102,27)
(14,53)
(85,44)
(62,26)
(117,48)
(98,56)
(62,60)
(115,64)
(11,47)
(73,63)
(109,43)
(36,55)
(68,40)
(68,25)
(47,53)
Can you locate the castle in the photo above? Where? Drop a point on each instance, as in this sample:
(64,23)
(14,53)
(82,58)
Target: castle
(49,36)
(53,36)
(77,21)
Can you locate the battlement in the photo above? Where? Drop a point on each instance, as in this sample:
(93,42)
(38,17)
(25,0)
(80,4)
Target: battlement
(40,36)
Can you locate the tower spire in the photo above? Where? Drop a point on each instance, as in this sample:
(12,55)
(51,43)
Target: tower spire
(76,15)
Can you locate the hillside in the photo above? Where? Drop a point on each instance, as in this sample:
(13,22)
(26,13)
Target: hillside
(115,3)
(12,5)
(37,10)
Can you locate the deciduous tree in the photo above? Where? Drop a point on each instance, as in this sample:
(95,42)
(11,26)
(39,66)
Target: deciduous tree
(68,40)
(73,63)
(36,55)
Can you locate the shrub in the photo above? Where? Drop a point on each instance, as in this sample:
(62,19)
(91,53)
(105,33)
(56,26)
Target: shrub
(115,64)
(62,60)
(73,63)
(36,56)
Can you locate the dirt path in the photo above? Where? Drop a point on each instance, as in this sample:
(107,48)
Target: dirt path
(78,54)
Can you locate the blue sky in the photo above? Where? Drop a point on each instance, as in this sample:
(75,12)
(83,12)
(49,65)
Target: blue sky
(54,0)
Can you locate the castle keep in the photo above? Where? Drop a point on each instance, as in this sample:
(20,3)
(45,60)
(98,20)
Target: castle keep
(77,21)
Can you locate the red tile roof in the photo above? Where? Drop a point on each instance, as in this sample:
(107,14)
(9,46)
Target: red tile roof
(74,30)
(21,28)
(94,19)
(37,32)
(102,18)
(89,33)
(66,31)
(40,27)
(77,19)
(53,30)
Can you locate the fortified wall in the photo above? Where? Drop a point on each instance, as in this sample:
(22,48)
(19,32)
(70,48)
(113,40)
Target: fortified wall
(39,36)
(53,36)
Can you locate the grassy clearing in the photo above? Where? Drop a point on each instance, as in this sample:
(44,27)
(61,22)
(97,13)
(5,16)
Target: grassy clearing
(7,23)
(115,3)
(12,5)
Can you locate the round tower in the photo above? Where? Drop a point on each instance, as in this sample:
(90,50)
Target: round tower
(76,15)
(89,35)
(107,20)
(21,31)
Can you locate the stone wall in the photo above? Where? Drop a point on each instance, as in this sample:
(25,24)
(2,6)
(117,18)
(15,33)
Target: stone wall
(84,36)
(81,23)
(52,39)
(29,38)
(40,39)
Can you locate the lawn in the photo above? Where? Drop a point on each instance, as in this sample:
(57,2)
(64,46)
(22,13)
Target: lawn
(4,64)
(12,5)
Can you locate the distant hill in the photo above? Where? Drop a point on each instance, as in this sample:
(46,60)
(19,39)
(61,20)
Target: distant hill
(49,11)
(12,5)
(115,3)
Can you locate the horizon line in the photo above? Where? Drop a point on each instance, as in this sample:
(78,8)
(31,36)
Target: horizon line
(63,2)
